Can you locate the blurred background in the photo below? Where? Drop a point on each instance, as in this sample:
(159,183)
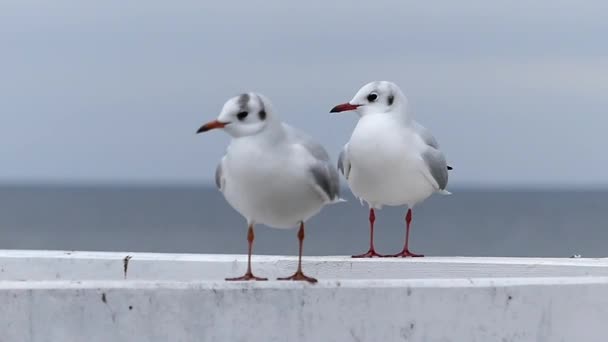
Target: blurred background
(100,101)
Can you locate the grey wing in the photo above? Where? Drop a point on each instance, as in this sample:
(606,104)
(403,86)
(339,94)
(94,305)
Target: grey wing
(326,179)
(219,176)
(344,162)
(325,176)
(314,148)
(437,166)
(426,136)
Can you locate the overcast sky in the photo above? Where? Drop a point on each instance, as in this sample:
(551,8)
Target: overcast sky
(112,91)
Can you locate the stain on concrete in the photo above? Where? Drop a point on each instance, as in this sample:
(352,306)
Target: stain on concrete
(509,299)
(125,263)
(104,299)
(218,298)
(407,332)
(354,335)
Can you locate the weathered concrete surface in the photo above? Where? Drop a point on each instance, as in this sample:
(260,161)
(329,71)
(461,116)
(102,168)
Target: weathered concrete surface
(182,298)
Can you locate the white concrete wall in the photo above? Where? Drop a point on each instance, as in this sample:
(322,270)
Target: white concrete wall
(56,296)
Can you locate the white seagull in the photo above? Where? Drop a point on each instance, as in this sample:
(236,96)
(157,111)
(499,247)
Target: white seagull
(272,173)
(390,158)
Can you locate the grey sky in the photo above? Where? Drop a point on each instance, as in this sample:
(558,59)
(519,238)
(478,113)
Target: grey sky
(516,93)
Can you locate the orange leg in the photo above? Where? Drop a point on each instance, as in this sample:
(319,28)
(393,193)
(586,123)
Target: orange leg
(248,275)
(406,251)
(299,275)
(372,251)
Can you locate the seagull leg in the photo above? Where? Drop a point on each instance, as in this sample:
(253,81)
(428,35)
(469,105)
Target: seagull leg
(372,251)
(248,275)
(299,275)
(406,251)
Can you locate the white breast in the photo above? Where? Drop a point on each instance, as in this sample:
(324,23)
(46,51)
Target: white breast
(386,163)
(268,184)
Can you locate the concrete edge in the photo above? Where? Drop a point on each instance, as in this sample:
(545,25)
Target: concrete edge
(323,284)
(52,254)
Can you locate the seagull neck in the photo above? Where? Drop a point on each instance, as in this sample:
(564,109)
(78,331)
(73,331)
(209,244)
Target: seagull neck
(274,131)
(271,134)
(402,115)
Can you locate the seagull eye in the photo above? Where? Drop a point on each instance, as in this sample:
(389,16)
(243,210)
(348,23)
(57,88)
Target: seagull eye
(372,97)
(242,115)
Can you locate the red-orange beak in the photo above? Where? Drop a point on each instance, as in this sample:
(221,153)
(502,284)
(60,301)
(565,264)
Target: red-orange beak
(212,125)
(343,108)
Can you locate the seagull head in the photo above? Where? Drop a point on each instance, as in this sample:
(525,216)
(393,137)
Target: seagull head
(375,98)
(243,115)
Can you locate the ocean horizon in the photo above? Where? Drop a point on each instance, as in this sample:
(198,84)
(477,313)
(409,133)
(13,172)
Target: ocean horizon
(473,221)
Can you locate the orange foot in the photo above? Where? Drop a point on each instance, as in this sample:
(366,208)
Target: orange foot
(299,276)
(370,254)
(406,253)
(247,276)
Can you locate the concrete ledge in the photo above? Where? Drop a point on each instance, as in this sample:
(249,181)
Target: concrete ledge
(61,265)
(83,296)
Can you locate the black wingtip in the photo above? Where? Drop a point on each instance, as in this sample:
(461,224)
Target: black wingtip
(450,168)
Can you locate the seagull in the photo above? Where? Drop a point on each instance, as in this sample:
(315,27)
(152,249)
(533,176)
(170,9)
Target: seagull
(272,173)
(390,158)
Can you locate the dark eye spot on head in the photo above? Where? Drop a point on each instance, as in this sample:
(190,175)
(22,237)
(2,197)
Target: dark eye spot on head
(372,97)
(243,100)
(241,116)
(391,99)
(262,114)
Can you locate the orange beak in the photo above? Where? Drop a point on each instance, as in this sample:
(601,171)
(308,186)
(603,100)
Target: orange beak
(211,125)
